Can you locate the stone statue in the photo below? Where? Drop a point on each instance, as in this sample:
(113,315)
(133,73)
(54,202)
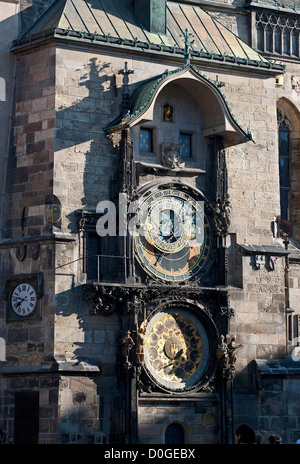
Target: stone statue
(171,156)
(222,352)
(168,113)
(141,341)
(222,213)
(232,348)
(128,344)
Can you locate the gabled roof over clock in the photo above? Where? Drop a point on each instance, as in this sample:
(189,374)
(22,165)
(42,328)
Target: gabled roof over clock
(114,23)
(218,117)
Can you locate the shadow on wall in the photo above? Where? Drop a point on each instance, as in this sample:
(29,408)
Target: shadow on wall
(86,345)
(79,134)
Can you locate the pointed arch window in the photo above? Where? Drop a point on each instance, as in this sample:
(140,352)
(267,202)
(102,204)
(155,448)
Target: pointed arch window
(277,40)
(269,38)
(286,41)
(260,37)
(277,34)
(295,43)
(284,165)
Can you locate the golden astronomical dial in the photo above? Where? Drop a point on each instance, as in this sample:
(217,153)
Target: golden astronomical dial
(174,239)
(176,350)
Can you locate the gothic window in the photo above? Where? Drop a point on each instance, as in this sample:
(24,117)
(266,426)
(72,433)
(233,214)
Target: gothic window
(286,41)
(277,37)
(284,165)
(295,43)
(277,34)
(269,39)
(260,37)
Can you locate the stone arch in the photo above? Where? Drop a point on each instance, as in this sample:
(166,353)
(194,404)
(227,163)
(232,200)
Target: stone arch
(290,112)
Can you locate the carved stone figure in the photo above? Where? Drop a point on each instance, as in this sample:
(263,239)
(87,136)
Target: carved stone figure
(222,216)
(168,113)
(171,156)
(141,340)
(232,348)
(222,352)
(128,344)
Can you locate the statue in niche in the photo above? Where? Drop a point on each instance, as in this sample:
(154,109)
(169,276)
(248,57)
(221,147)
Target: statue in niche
(168,113)
(171,155)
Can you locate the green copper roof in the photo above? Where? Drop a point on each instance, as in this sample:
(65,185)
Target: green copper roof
(113,22)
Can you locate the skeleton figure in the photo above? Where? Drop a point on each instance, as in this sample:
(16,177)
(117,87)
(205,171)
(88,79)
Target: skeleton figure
(222,352)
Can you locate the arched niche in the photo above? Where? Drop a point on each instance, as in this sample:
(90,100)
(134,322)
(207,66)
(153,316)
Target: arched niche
(175,118)
(218,119)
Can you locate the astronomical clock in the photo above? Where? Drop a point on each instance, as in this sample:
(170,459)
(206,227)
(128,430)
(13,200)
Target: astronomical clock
(170,290)
(179,347)
(174,248)
(174,242)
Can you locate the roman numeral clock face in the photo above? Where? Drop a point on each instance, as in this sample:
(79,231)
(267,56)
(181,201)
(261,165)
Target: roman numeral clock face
(23,299)
(174,240)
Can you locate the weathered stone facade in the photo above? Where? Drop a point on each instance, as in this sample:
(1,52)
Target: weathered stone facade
(75,142)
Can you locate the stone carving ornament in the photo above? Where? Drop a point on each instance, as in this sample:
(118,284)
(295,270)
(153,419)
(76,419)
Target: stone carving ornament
(171,155)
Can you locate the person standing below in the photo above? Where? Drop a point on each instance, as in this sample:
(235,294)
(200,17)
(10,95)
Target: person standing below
(273,438)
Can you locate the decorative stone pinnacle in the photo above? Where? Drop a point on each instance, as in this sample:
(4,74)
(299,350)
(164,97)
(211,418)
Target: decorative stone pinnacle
(125,72)
(188,43)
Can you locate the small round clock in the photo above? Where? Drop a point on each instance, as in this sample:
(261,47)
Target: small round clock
(23,299)
(174,239)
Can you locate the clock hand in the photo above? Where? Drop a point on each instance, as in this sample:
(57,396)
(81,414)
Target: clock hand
(166,365)
(19,298)
(170,238)
(162,255)
(159,259)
